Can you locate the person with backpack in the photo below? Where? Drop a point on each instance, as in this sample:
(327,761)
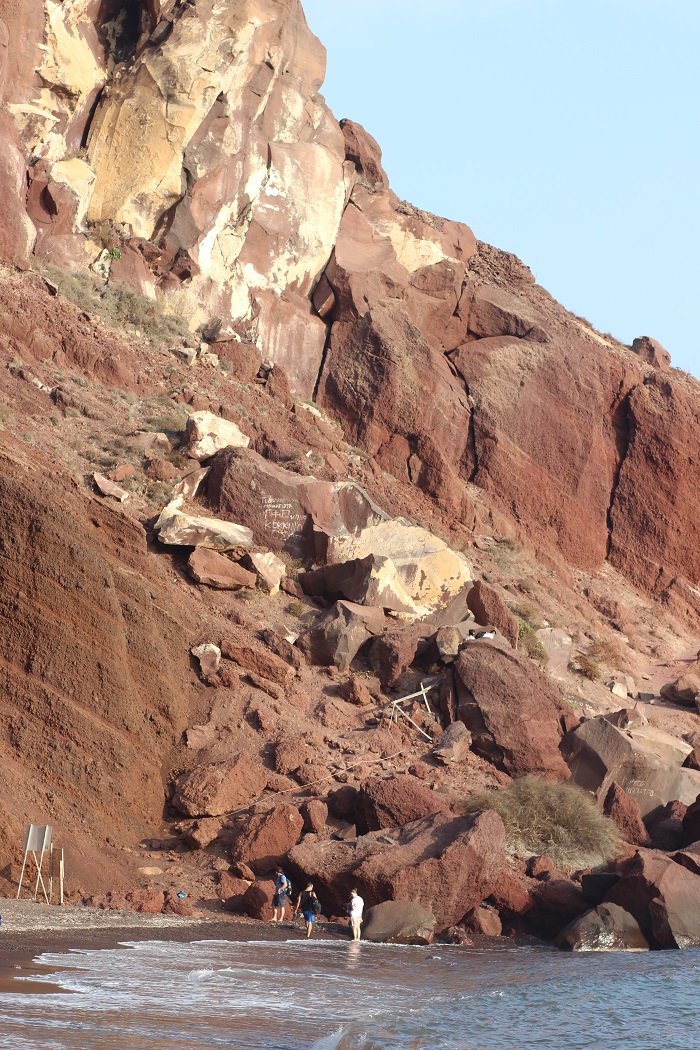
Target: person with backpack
(310,906)
(283,890)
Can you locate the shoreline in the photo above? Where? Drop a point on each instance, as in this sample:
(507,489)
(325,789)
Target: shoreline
(30,929)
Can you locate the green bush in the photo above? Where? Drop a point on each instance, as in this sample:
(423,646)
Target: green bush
(558,820)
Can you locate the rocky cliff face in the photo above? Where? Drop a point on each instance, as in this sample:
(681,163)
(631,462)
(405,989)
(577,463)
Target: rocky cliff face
(184,148)
(380,365)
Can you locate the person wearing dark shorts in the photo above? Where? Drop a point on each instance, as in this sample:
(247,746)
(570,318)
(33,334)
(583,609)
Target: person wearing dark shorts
(309,906)
(280,896)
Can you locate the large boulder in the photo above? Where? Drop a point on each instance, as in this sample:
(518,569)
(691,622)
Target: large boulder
(215,570)
(337,635)
(607,928)
(399,922)
(444,863)
(489,609)
(664,898)
(268,837)
(599,754)
(394,801)
(684,690)
(512,710)
(256,901)
(392,653)
(220,787)
(287,511)
(178,527)
(206,434)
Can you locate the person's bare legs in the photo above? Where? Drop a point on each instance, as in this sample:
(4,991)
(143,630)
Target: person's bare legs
(309,928)
(356,930)
(274,914)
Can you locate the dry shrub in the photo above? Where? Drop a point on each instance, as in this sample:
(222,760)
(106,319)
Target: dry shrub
(606,651)
(588,667)
(558,820)
(529,643)
(117,306)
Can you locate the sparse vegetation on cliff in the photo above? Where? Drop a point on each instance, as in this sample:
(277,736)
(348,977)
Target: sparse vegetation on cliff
(558,820)
(117,306)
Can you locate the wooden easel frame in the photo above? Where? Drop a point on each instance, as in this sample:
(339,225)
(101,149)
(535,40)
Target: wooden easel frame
(36,840)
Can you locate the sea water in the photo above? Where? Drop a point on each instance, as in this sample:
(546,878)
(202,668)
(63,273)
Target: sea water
(328,995)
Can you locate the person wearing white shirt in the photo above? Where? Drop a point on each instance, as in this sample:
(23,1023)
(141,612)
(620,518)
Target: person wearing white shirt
(355,908)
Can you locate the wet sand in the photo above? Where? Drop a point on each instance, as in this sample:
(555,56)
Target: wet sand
(29,929)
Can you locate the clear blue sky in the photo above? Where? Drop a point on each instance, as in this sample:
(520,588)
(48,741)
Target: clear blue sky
(566,131)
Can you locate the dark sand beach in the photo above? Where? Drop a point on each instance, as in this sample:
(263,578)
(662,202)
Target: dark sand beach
(30,929)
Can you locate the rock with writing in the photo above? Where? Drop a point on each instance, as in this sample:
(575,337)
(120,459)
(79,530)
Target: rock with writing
(284,510)
(599,754)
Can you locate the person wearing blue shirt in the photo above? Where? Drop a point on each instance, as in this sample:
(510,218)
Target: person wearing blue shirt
(282,891)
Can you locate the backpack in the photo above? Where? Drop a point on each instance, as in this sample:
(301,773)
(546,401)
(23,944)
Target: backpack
(287,890)
(316,906)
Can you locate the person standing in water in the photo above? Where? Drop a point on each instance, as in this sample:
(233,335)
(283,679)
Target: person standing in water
(282,889)
(309,905)
(355,908)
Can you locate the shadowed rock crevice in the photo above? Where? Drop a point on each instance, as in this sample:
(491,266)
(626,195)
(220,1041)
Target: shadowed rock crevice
(623,426)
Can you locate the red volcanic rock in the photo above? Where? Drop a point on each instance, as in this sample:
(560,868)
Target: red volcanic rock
(203,832)
(212,790)
(355,691)
(493,311)
(282,507)
(624,811)
(598,753)
(484,921)
(607,928)
(232,891)
(398,922)
(175,905)
(257,900)
(364,153)
(268,837)
(282,648)
(664,898)
(691,824)
(447,864)
(336,636)
(685,690)
(666,830)
(216,570)
(557,900)
(648,544)
(512,710)
(244,358)
(257,660)
(392,802)
(537,867)
(652,352)
(315,815)
(453,744)
(148,902)
(394,652)
(291,753)
(489,609)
